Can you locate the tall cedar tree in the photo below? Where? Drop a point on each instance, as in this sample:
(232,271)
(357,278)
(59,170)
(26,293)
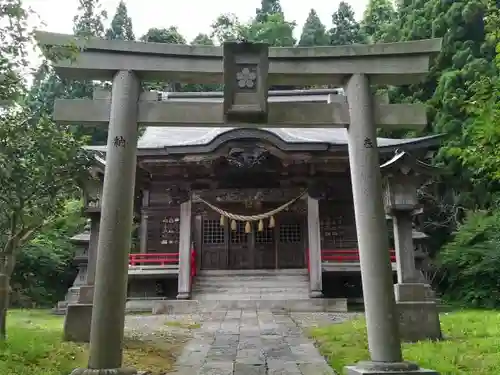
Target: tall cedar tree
(121,25)
(313,32)
(345,29)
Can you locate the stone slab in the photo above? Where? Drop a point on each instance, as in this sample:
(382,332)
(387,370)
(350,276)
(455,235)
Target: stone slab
(419,321)
(411,292)
(77,323)
(213,350)
(86,295)
(277,306)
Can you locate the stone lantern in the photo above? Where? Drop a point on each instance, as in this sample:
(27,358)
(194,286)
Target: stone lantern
(419,318)
(79,312)
(246,67)
(81,242)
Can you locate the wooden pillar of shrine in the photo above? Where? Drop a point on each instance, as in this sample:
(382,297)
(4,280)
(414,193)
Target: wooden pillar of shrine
(184,277)
(143,229)
(314,248)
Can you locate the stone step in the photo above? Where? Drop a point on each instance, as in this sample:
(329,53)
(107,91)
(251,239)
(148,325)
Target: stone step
(251,285)
(199,306)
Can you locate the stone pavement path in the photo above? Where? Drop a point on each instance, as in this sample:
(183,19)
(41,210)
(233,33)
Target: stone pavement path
(242,342)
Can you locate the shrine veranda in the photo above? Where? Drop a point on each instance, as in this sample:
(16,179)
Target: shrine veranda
(250,179)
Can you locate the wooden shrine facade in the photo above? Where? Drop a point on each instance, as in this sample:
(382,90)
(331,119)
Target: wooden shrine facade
(245,172)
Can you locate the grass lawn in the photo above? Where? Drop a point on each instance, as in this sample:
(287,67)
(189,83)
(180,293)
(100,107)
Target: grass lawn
(471,346)
(34,346)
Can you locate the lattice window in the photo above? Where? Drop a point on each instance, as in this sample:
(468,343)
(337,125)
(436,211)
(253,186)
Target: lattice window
(170,230)
(239,235)
(264,236)
(213,232)
(290,233)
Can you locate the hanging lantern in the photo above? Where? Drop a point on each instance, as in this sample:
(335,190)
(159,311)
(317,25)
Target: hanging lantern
(248,227)
(271,222)
(222,220)
(233,225)
(261,225)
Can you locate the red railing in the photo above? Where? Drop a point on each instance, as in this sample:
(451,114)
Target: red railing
(153,259)
(193,264)
(346,255)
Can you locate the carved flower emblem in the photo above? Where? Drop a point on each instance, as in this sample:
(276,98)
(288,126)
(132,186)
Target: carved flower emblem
(246,78)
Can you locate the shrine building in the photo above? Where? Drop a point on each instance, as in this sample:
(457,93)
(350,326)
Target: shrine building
(214,203)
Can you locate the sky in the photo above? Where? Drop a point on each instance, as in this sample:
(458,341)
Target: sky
(190,16)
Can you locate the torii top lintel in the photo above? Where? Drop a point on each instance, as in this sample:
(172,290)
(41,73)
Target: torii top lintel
(391,63)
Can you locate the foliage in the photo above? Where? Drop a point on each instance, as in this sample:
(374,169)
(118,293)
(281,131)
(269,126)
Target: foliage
(14,37)
(227,27)
(345,29)
(378,19)
(313,31)
(44,269)
(275,31)
(121,25)
(267,8)
(169,35)
(35,346)
(470,346)
(203,40)
(471,261)
(39,167)
(89,21)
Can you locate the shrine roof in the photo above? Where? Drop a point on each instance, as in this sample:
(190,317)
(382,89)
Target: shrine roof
(81,237)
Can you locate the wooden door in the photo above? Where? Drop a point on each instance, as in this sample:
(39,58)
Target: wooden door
(291,240)
(213,244)
(241,254)
(264,247)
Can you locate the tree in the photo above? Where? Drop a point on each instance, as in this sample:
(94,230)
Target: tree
(89,20)
(267,8)
(313,31)
(203,40)
(378,18)
(170,36)
(227,27)
(39,162)
(345,29)
(39,169)
(121,25)
(275,31)
(47,86)
(482,156)
(13,50)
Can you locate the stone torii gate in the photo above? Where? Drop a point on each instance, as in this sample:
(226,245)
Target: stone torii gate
(247,70)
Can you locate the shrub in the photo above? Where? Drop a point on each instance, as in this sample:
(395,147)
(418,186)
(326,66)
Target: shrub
(471,261)
(44,269)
